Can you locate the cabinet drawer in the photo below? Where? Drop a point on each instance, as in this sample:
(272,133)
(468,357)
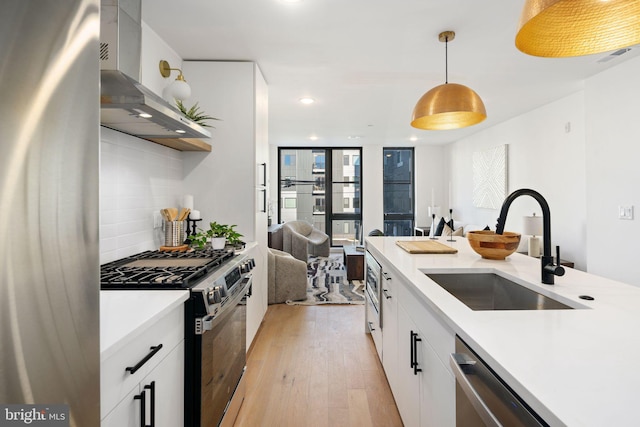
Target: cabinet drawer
(115,381)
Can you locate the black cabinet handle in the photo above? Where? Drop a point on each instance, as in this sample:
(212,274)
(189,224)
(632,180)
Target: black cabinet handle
(412,357)
(414,352)
(152,388)
(386,294)
(132,369)
(143,407)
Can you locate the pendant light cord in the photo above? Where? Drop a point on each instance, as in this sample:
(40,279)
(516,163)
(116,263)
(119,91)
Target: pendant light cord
(446,60)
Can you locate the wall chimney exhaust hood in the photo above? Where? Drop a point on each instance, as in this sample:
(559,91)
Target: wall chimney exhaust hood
(125,104)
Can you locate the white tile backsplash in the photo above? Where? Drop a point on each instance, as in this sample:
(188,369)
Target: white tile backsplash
(137,178)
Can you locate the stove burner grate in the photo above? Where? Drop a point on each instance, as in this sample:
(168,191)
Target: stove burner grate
(117,275)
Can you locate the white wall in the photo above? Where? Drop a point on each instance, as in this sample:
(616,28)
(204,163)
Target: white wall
(612,153)
(137,179)
(223,181)
(542,156)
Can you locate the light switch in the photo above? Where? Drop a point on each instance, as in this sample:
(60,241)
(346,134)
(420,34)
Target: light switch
(625,212)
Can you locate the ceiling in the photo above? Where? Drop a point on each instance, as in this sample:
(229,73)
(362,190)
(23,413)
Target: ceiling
(367,62)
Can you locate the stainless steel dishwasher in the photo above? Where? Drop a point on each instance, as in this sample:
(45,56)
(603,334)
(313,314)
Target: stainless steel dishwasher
(482,398)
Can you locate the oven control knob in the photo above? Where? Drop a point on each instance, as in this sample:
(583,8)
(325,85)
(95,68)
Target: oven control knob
(214,296)
(246,267)
(222,290)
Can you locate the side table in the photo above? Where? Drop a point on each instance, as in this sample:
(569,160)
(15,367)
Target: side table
(353,262)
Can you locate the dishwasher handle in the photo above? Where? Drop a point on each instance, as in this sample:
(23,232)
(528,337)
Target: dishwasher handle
(460,363)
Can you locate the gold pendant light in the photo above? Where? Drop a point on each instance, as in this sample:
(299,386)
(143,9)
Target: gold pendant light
(448,106)
(560,28)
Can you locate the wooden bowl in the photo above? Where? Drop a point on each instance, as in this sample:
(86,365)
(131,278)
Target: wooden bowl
(490,245)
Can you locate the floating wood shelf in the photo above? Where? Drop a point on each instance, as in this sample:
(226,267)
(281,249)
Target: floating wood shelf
(183,144)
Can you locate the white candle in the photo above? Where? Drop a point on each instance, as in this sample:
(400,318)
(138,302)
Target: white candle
(194,214)
(187,202)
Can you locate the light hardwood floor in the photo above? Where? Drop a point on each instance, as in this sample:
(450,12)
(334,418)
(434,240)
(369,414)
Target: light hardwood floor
(315,366)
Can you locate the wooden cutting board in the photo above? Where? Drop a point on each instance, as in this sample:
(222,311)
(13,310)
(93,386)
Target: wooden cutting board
(425,247)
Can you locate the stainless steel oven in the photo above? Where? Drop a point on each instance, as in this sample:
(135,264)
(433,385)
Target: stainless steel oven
(372,280)
(215,339)
(483,398)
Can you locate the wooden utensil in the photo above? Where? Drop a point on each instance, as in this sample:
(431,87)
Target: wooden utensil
(173,213)
(183,214)
(165,214)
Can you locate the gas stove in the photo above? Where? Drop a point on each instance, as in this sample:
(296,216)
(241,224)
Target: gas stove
(152,270)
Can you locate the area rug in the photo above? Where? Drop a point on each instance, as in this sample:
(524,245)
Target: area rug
(327,283)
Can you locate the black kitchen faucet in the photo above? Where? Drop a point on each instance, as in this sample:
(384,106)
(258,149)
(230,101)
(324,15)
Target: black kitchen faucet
(549,269)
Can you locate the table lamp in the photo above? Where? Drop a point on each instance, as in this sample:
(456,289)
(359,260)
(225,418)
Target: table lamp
(532,226)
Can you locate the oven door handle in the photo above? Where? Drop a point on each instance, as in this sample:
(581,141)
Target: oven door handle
(459,363)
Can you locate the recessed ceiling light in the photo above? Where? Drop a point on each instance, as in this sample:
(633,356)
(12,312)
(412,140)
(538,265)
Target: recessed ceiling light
(306,100)
(354,137)
(313,137)
(145,115)
(180,131)
(290,1)
(413,138)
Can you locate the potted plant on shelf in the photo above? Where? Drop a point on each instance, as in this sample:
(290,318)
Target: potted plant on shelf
(219,235)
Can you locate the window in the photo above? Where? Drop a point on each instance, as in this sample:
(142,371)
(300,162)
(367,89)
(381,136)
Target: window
(322,186)
(398,188)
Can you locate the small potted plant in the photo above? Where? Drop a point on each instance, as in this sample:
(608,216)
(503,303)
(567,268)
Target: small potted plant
(218,234)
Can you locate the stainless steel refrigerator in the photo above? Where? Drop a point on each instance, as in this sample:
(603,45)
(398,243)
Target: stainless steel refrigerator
(49,161)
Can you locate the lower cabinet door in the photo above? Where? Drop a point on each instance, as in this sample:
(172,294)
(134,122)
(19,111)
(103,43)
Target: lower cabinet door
(168,381)
(408,383)
(437,390)
(163,398)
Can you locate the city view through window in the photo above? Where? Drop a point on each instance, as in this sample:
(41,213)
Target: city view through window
(305,174)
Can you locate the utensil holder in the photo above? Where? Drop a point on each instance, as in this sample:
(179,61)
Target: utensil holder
(173,233)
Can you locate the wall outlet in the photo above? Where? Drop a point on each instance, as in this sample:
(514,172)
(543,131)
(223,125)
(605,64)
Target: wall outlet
(625,212)
(157,220)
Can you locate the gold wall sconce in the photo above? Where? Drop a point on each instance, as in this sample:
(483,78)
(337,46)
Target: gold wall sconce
(179,88)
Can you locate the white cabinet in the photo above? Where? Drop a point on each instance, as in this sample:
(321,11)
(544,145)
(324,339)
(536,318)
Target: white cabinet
(152,362)
(230,184)
(416,347)
(161,392)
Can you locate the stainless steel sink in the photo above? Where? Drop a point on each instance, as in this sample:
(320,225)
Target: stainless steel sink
(489,291)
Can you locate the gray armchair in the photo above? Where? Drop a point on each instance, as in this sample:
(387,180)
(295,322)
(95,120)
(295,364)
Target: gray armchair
(299,238)
(287,277)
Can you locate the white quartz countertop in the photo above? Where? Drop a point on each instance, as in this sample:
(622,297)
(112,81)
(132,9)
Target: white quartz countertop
(126,314)
(571,366)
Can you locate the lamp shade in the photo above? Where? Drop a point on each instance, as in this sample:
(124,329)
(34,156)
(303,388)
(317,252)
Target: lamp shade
(561,28)
(178,89)
(532,225)
(448,106)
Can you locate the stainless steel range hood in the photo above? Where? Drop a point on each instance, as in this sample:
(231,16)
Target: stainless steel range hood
(125,104)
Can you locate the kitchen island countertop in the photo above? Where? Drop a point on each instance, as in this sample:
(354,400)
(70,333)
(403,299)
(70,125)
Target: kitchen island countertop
(571,366)
(125,314)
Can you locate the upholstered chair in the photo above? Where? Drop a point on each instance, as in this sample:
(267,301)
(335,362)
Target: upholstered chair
(287,277)
(301,239)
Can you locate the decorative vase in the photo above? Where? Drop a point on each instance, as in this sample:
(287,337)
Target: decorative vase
(218,242)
